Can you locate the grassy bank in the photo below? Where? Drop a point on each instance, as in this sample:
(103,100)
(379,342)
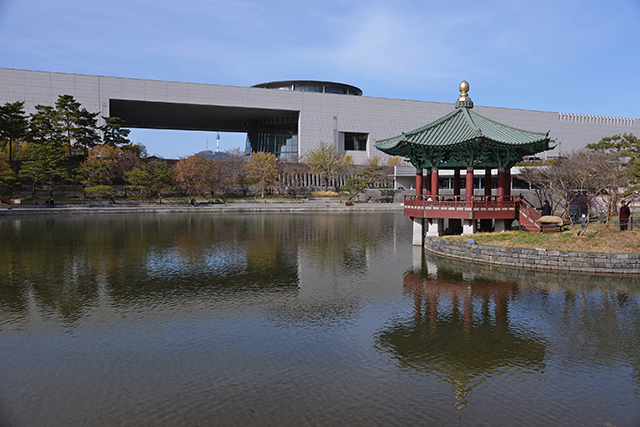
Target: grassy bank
(598,238)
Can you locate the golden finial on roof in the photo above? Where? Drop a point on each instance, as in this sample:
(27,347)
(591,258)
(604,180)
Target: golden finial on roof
(464,91)
(464,101)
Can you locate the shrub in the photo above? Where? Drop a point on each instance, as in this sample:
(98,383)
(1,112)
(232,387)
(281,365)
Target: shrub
(324,194)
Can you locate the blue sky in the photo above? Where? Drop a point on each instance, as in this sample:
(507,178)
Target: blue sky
(562,55)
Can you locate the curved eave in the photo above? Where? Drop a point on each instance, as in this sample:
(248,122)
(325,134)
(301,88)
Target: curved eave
(505,134)
(394,146)
(404,148)
(464,127)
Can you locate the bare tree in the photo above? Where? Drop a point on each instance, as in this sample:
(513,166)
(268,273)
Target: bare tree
(584,180)
(616,158)
(326,162)
(539,179)
(195,175)
(262,170)
(236,171)
(289,174)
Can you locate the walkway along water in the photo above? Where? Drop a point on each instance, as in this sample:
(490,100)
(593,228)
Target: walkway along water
(268,205)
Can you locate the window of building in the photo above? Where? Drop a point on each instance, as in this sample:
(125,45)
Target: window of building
(308,88)
(278,135)
(520,184)
(355,141)
(329,89)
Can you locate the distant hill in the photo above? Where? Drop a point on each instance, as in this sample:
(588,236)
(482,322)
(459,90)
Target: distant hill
(208,154)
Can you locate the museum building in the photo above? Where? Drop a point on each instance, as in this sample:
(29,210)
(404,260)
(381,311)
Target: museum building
(286,118)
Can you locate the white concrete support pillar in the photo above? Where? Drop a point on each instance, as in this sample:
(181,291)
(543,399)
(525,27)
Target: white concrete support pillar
(469,226)
(500,225)
(418,255)
(436,227)
(419,225)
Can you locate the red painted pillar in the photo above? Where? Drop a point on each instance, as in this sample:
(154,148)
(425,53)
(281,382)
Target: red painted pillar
(469,185)
(456,184)
(434,182)
(487,182)
(500,183)
(507,183)
(419,182)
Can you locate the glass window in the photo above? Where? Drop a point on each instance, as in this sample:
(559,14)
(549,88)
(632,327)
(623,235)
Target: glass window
(308,88)
(355,141)
(328,89)
(277,135)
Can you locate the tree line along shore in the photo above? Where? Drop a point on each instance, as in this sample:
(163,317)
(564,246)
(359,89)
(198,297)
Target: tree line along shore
(61,150)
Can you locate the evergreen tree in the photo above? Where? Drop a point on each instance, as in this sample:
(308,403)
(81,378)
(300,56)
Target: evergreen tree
(363,180)
(46,166)
(78,127)
(45,126)
(8,179)
(13,124)
(113,133)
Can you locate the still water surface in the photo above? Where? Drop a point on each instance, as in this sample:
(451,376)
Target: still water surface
(298,319)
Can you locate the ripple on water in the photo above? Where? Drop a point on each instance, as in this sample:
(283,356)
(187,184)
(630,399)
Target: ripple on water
(297,320)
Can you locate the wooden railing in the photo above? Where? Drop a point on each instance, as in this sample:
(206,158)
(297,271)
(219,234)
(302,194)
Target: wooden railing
(527,215)
(447,201)
(479,207)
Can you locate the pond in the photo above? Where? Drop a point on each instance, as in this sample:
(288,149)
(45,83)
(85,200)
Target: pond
(299,319)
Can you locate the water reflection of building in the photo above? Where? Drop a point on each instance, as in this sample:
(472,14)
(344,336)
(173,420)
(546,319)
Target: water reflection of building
(73,265)
(460,331)
(69,264)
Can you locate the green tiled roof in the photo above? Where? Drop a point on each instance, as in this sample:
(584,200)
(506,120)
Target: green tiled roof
(464,129)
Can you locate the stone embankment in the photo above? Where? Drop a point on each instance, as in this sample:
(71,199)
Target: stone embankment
(540,259)
(170,206)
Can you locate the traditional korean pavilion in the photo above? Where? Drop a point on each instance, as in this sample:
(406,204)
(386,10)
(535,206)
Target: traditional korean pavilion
(465,139)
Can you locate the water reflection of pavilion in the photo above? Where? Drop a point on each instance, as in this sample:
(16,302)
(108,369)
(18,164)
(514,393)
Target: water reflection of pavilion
(460,331)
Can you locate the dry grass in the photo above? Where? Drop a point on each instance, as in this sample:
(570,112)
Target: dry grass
(324,194)
(598,238)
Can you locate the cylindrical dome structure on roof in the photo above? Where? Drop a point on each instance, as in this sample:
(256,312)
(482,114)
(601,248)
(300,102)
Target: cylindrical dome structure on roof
(312,86)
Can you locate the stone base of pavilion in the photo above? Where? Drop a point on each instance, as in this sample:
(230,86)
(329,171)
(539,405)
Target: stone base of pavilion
(434,216)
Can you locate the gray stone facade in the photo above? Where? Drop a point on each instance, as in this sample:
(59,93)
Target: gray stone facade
(321,116)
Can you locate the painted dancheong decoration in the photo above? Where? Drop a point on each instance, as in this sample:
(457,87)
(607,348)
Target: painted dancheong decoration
(465,139)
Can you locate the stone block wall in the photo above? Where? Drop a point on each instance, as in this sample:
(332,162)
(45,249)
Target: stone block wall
(540,259)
